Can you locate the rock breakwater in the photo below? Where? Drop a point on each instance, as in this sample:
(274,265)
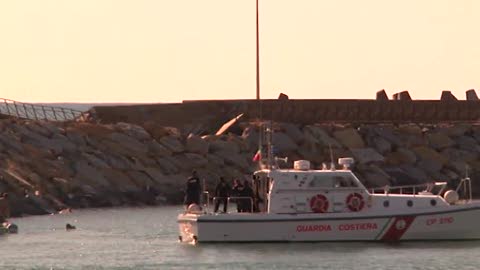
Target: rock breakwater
(46,167)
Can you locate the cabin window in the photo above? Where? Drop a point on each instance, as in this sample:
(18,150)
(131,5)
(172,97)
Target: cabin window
(409,203)
(344,181)
(433,202)
(320,181)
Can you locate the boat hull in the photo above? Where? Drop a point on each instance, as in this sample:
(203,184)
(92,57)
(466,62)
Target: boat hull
(457,224)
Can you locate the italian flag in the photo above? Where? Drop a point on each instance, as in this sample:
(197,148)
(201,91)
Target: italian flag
(257,156)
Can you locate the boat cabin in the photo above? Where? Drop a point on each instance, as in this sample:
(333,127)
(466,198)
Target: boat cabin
(301,190)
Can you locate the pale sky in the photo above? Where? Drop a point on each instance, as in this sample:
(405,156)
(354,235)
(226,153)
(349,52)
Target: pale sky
(173,50)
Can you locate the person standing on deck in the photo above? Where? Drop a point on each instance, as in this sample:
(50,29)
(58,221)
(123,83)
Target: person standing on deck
(249,198)
(192,191)
(238,190)
(222,191)
(4,208)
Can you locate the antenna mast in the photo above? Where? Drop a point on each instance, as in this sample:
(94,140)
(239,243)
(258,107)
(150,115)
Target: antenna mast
(258,55)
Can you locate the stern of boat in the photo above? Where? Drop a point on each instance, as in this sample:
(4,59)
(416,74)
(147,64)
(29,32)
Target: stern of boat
(188,228)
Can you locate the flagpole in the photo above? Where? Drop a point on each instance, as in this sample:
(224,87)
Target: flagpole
(258,54)
(257,47)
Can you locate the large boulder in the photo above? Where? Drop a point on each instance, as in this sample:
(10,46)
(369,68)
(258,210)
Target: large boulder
(157,149)
(117,162)
(172,143)
(425,153)
(458,166)
(467,143)
(440,141)
(129,143)
(215,160)
(282,143)
(157,132)
(456,130)
(219,145)
(374,177)
(78,139)
(454,154)
(390,135)
(314,153)
(317,135)
(141,179)
(234,160)
(40,128)
(415,173)
(381,145)
(11,141)
(62,141)
(156,175)
(120,181)
(134,131)
(95,161)
(366,155)
(349,138)
(189,161)
(88,174)
(292,131)
(195,144)
(401,156)
(167,165)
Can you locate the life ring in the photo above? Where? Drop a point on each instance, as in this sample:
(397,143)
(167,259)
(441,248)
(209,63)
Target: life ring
(319,203)
(355,202)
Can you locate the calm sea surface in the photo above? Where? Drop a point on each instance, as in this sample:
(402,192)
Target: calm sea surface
(146,238)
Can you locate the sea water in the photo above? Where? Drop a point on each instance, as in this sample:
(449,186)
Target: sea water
(147,238)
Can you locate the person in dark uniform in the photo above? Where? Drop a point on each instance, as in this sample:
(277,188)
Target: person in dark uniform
(248,194)
(238,191)
(4,208)
(222,191)
(192,191)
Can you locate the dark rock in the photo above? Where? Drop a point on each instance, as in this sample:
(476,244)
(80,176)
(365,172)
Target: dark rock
(196,144)
(381,145)
(401,156)
(282,143)
(367,155)
(293,131)
(349,138)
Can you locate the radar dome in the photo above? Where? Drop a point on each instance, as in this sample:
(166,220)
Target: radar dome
(303,165)
(346,163)
(451,196)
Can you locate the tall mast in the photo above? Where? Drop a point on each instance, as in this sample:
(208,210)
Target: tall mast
(258,56)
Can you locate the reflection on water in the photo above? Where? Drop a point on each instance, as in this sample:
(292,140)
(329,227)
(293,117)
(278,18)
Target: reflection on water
(146,238)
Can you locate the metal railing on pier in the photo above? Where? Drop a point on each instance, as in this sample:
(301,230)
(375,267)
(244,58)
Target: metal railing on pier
(31,111)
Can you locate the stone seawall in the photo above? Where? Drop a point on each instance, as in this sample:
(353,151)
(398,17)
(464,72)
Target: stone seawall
(46,167)
(209,115)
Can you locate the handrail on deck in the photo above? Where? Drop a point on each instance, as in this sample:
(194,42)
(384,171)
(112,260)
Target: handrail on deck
(427,187)
(466,184)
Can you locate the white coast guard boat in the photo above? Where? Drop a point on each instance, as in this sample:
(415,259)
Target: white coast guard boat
(301,204)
